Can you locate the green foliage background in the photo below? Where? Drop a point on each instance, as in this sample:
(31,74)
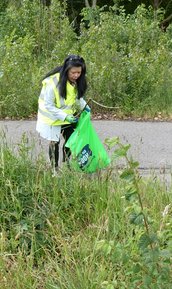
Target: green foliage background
(128,56)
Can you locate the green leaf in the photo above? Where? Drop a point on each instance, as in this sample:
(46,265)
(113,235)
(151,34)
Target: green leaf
(107,285)
(144,241)
(121,152)
(166,254)
(111,142)
(99,244)
(137,268)
(134,165)
(147,281)
(130,192)
(110,286)
(151,256)
(136,219)
(107,249)
(104,246)
(127,174)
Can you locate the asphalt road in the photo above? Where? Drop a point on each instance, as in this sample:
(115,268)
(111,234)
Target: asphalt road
(151,142)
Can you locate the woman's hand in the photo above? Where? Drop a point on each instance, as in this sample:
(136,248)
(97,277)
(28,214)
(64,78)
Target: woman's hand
(87,108)
(71,118)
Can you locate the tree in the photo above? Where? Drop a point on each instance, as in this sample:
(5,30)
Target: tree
(167,16)
(130,7)
(75,7)
(94,3)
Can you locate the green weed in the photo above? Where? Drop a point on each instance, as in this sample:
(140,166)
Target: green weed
(111,229)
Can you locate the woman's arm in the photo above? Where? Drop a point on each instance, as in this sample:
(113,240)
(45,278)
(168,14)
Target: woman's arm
(83,104)
(50,100)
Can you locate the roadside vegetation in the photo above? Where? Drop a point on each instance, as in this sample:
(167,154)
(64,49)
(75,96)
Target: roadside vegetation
(128,57)
(106,230)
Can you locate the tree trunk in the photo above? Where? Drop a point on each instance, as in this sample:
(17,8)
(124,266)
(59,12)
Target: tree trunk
(87,4)
(165,23)
(156,4)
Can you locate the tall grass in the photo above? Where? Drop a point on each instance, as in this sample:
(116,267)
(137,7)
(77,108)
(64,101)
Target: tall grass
(76,231)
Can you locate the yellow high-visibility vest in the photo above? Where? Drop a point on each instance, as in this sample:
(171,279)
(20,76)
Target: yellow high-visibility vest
(65,104)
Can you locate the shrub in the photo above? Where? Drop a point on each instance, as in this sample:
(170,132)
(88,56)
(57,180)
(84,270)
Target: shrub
(129,60)
(19,76)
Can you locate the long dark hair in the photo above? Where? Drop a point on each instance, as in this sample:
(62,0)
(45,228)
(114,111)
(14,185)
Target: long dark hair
(71,61)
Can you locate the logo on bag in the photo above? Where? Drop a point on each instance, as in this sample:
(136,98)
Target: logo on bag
(84,156)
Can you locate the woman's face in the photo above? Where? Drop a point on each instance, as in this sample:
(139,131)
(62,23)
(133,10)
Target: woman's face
(74,73)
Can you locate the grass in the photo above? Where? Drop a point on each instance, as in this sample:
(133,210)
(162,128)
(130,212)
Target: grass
(77,231)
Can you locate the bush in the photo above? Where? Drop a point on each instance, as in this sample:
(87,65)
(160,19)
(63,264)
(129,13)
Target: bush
(19,77)
(129,59)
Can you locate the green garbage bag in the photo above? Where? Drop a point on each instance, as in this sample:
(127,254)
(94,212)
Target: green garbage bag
(87,152)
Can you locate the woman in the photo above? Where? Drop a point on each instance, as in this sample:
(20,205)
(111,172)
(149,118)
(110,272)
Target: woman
(63,90)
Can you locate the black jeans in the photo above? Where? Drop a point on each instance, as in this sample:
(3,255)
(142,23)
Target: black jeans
(66,131)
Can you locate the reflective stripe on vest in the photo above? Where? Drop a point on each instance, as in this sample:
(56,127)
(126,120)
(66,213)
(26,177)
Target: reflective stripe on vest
(65,105)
